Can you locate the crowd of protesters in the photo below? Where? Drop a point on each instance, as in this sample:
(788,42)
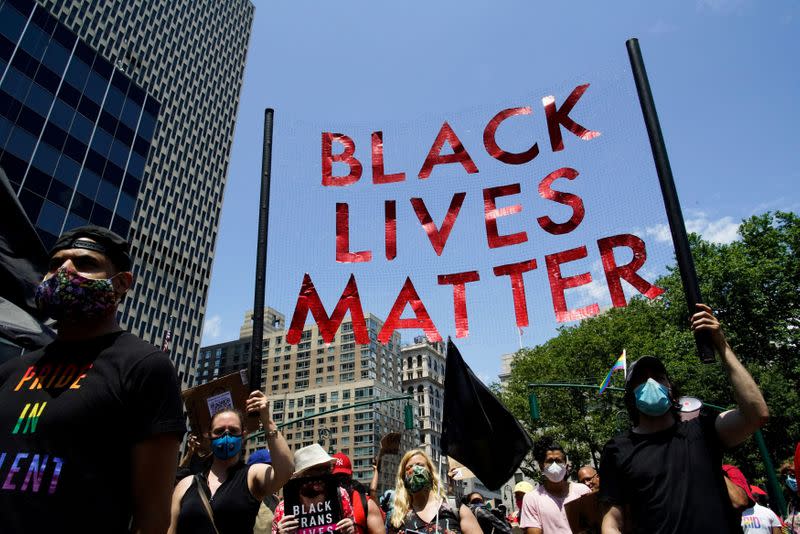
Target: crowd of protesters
(62,473)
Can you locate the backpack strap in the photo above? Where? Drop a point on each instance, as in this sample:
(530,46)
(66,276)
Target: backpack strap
(360,509)
(204,499)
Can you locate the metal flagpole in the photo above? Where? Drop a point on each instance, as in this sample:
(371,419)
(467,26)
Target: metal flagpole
(257,340)
(691,287)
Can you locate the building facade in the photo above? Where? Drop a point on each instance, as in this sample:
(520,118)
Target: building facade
(75,130)
(312,377)
(215,361)
(184,60)
(422,367)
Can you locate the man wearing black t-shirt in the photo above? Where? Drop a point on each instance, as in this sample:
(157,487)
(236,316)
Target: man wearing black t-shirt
(665,476)
(90,424)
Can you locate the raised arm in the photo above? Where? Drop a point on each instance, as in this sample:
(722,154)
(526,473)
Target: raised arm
(265,479)
(153,477)
(192,445)
(376,469)
(733,426)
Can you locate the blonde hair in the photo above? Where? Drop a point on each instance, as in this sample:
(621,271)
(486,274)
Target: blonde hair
(402,498)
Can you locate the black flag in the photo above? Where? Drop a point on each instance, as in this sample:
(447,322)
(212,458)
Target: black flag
(23,262)
(23,258)
(477,430)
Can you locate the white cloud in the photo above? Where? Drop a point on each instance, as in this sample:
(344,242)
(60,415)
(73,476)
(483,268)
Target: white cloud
(722,231)
(212,327)
(660,232)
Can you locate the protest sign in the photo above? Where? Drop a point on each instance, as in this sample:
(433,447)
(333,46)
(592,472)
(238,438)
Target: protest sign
(314,502)
(504,221)
(205,400)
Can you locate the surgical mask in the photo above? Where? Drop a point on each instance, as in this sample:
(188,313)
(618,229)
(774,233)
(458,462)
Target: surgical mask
(791,483)
(226,446)
(418,480)
(652,398)
(555,472)
(68,295)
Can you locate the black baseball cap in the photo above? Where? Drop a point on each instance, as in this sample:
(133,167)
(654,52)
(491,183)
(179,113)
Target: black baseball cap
(106,242)
(640,366)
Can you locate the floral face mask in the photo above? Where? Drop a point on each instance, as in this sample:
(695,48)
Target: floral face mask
(68,295)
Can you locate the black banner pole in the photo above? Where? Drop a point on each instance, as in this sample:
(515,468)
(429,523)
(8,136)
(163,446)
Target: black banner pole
(682,251)
(257,340)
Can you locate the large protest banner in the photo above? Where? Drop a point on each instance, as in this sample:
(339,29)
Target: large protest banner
(495,225)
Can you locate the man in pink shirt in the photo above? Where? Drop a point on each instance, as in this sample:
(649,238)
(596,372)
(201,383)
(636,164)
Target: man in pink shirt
(543,509)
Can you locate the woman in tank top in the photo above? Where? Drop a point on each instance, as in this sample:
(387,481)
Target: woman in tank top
(420,501)
(231,489)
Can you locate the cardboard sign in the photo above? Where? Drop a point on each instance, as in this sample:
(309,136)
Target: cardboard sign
(390,443)
(584,514)
(315,503)
(205,400)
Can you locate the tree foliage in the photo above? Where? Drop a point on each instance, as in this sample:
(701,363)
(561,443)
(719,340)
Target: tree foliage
(753,284)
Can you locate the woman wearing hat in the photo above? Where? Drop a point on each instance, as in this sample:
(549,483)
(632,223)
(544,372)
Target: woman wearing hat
(225,499)
(420,501)
(312,461)
(520,490)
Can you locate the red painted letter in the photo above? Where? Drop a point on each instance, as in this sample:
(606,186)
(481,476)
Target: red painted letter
(558,117)
(614,272)
(408,295)
(378,176)
(568,199)
(309,300)
(514,271)
(498,153)
(438,237)
(390,229)
(459,154)
(459,281)
(559,284)
(347,156)
(343,254)
(491,214)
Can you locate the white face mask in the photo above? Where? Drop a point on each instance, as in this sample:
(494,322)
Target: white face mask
(555,472)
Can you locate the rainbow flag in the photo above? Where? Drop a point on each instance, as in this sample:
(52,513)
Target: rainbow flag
(620,364)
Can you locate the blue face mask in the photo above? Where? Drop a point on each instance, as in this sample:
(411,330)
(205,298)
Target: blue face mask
(652,398)
(226,446)
(791,483)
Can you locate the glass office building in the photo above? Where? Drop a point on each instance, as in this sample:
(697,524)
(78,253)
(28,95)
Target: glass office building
(189,57)
(75,131)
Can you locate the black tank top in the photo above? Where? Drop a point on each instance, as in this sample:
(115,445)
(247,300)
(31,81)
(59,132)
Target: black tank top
(234,507)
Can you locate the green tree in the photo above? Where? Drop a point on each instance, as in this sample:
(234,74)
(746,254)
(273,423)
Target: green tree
(753,284)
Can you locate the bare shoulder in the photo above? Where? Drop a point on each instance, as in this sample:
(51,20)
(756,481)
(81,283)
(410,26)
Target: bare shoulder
(182,486)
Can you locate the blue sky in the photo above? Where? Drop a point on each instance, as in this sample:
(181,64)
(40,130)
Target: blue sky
(724,78)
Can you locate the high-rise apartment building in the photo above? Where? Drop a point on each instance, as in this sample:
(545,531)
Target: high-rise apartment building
(158,75)
(422,368)
(222,359)
(312,377)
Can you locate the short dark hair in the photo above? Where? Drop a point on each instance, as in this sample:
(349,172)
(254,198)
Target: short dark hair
(544,445)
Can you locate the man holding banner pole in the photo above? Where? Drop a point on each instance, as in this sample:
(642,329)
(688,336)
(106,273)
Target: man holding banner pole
(664,475)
